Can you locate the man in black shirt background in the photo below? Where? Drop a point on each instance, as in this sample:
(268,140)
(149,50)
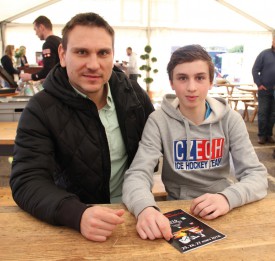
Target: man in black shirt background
(43,29)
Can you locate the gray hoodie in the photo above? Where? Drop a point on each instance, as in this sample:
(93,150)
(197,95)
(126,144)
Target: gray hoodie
(196,158)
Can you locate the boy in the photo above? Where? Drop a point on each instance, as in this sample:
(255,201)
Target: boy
(195,134)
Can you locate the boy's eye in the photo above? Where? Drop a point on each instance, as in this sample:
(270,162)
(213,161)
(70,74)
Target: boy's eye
(200,78)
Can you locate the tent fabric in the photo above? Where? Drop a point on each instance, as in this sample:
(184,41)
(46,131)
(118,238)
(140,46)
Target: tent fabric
(165,24)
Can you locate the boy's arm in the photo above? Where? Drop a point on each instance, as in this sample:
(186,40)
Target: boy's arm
(250,173)
(138,179)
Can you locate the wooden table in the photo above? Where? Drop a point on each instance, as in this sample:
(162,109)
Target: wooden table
(7,137)
(30,69)
(250,232)
(250,89)
(231,86)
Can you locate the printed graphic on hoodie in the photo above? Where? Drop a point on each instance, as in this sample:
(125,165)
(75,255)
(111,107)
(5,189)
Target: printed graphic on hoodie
(203,155)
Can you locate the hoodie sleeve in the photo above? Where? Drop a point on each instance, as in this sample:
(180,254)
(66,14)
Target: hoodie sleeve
(138,179)
(250,173)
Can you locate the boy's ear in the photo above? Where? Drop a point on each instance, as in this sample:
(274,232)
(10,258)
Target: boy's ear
(211,85)
(171,84)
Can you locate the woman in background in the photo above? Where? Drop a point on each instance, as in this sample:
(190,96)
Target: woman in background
(23,58)
(7,61)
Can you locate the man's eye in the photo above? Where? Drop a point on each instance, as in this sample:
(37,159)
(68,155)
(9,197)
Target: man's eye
(182,78)
(104,53)
(81,52)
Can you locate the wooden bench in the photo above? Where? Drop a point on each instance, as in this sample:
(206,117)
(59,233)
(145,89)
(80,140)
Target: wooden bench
(241,98)
(158,192)
(158,188)
(252,104)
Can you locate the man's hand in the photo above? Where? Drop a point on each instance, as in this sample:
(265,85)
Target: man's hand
(97,223)
(152,224)
(25,77)
(261,87)
(209,206)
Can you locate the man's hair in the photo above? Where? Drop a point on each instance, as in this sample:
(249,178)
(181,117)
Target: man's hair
(129,48)
(44,21)
(86,19)
(187,54)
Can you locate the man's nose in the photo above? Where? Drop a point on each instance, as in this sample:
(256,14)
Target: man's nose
(92,62)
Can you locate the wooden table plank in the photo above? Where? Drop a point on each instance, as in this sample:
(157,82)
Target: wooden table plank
(8,132)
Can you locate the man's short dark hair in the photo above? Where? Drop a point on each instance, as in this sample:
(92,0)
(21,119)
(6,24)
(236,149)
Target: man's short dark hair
(86,19)
(43,20)
(187,54)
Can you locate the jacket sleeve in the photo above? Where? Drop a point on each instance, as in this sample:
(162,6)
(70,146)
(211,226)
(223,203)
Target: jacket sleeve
(32,182)
(8,66)
(138,179)
(257,69)
(251,175)
(49,60)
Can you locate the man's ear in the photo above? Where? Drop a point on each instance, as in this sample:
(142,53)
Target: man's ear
(62,54)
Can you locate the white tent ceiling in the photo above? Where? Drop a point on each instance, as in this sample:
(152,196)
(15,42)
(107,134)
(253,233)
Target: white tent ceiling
(136,22)
(250,15)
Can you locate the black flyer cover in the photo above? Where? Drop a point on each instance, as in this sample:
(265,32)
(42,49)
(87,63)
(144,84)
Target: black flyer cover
(190,233)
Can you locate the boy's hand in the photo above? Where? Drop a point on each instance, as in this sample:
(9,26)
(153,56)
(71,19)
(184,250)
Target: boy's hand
(209,206)
(152,224)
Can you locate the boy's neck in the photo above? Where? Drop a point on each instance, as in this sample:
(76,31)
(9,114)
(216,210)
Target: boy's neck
(196,115)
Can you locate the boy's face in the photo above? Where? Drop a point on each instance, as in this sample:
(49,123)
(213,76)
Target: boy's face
(88,59)
(191,83)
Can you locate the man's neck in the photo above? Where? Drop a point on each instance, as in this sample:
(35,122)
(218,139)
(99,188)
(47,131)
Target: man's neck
(47,34)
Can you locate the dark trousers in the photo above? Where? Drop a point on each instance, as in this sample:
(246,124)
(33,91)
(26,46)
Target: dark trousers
(133,77)
(266,115)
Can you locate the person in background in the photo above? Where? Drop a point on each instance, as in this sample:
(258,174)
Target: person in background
(196,135)
(23,58)
(7,61)
(263,72)
(43,29)
(131,67)
(76,138)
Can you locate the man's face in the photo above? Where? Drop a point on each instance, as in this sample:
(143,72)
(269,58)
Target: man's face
(88,59)
(39,31)
(191,83)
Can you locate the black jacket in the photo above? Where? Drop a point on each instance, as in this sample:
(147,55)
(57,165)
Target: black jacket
(61,155)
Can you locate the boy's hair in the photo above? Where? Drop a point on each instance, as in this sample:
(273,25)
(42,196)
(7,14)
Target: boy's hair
(187,54)
(86,19)
(43,20)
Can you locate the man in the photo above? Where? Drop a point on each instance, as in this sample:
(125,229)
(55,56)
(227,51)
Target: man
(76,138)
(44,30)
(132,67)
(263,72)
